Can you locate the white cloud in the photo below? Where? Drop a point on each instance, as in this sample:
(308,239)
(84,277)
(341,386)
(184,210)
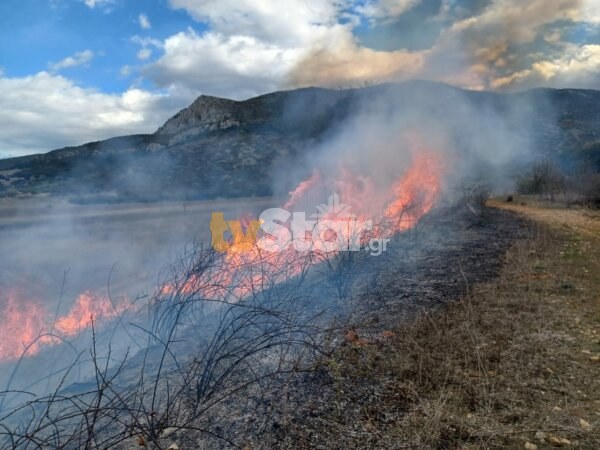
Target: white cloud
(590,11)
(78,59)
(386,9)
(579,66)
(47,111)
(260,45)
(94,3)
(146,41)
(341,61)
(144,53)
(479,50)
(234,66)
(125,71)
(488,49)
(287,23)
(144,22)
(252,46)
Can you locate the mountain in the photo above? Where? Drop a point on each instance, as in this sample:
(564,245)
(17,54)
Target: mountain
(224,148)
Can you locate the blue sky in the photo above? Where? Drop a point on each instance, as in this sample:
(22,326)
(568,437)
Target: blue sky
(34,33)
(72,71)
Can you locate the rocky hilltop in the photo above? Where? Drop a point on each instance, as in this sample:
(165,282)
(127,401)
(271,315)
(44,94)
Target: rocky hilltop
(208,114)
(223,148)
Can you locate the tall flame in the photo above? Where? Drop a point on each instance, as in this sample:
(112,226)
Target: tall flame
(399,207)
(415,193)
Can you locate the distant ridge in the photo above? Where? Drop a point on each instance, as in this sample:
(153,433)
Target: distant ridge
(215,146)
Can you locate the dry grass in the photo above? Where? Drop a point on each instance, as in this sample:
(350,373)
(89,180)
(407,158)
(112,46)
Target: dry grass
(514,363)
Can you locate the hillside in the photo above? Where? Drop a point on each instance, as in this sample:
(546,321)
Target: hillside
(224,148)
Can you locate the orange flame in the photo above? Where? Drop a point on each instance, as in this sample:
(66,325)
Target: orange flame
(21,323)
(398,208)
(415,193)
(87,308)
(302,189)
(25,325)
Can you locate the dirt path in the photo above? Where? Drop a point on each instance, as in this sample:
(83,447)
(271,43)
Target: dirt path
(580,220)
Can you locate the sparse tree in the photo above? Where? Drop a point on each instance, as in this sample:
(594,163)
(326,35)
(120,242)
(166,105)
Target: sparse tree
(544,179)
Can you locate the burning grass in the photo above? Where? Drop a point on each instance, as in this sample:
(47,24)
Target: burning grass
(246,267)
(514,364)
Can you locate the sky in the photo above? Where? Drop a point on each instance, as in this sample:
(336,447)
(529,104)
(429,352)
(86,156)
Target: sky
(74,71)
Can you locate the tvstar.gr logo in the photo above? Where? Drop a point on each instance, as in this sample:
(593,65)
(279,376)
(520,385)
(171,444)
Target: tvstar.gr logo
(331,229)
